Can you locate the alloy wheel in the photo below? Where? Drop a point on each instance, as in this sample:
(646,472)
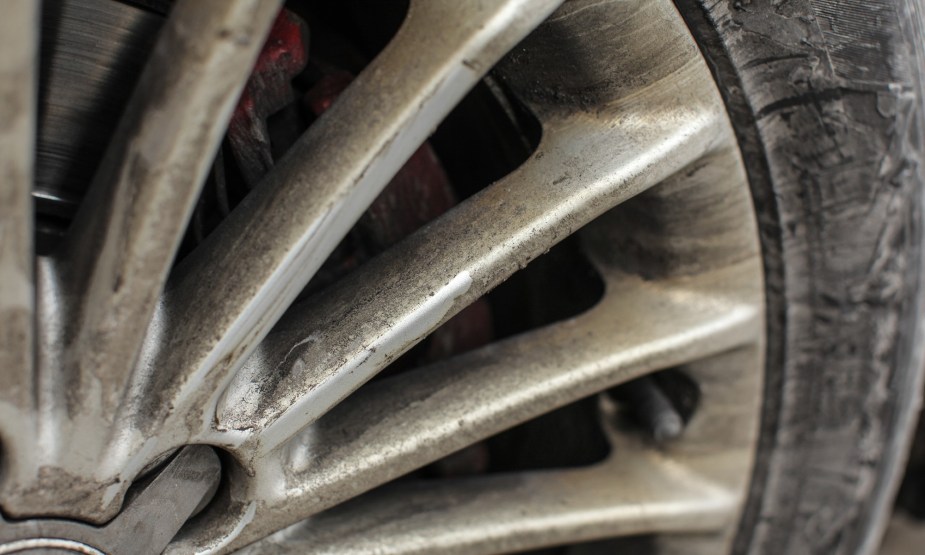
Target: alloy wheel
(120,364)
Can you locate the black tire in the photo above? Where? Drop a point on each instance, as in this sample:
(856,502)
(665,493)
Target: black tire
(826,98)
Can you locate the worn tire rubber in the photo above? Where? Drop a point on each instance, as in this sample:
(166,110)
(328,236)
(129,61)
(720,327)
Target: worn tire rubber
(826,99)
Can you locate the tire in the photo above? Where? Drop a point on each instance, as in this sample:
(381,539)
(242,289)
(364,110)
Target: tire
(826,100)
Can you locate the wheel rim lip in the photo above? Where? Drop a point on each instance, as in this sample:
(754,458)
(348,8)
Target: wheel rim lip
(759,277)
(37,544)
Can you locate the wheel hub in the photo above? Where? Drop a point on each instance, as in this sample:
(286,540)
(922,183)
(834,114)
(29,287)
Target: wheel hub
(157,509)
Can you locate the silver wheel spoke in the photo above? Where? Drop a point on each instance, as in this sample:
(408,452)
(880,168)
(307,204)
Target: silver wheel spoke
(403,423)
(151,175)
(321,352)
(112,269)
(325,350)
(272,244)
(635,492)
(150,178)
(18,73)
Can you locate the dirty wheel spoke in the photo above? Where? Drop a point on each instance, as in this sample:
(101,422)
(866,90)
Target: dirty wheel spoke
(272,244)
(329,347)
(400,424)
(507,513)
(18,75)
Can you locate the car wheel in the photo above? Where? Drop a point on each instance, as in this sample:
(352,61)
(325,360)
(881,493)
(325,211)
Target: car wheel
(527,275)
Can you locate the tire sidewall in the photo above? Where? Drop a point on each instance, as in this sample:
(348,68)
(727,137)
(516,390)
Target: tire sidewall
(826,101)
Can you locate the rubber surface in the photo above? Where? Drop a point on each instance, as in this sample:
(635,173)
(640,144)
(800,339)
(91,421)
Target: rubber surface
(826,99)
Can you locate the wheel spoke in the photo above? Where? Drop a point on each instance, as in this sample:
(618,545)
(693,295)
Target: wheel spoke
(323,351)
(400,424)
(635,492)
(272,244)
(18,44)
(405,422)
(111,270)
(150,179)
